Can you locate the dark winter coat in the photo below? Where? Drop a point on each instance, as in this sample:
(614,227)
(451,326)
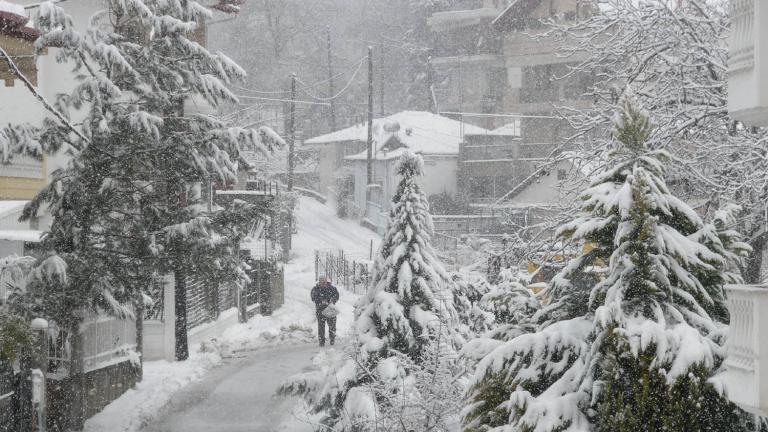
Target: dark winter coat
(323,296)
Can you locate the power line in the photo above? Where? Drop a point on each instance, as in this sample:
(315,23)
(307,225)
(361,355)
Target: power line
(261,91)
(282,100)
(349,83)
(362,59)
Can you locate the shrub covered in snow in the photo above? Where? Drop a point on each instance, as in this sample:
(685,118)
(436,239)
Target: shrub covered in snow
(634,351)
(468,288)
(407,311)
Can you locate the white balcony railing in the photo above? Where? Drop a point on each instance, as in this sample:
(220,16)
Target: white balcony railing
(23,167)
(746,363)
(748,63)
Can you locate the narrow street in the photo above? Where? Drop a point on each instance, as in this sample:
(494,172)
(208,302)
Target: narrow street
(238,396)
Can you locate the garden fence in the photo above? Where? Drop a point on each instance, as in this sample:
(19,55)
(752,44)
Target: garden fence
(352,273)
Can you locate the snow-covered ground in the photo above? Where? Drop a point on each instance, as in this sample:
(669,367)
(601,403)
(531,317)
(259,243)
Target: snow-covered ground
(256,355)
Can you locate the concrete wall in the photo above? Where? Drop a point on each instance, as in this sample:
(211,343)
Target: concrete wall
(440,173)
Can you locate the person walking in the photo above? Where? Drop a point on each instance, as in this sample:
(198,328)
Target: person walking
(324,294)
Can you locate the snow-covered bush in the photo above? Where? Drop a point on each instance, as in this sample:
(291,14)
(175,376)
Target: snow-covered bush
(509,301)
(468,288)
(15,338)
(407,310)
(504,312)
(634,351)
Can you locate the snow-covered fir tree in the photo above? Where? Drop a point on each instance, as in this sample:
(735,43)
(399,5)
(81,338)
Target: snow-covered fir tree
(635,351)
(675,56)
(407,311)
(128,205)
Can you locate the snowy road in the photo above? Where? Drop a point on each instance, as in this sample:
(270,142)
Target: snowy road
(237,397)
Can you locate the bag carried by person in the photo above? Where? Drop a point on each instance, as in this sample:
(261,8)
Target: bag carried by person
(331,311)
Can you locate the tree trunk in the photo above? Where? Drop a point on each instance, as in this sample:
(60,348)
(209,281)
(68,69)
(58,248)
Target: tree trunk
(180,290)
(140,335)
(77,376)
(752,271)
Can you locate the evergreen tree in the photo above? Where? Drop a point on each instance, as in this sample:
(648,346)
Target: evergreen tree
(407,309)
(636,350)
(128,205)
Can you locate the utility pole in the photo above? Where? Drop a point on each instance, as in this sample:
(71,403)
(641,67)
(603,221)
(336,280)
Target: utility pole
(369,160)
(291,132)
(381,83)
(330,78)
(431,87)
(291,147)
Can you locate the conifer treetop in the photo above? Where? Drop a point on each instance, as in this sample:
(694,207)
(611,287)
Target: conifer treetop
(410,165)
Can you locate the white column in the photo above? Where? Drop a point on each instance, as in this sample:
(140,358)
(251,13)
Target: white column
(748,63)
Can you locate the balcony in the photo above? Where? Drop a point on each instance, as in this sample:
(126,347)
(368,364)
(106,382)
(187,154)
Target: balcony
(746,362)
(456,19)
(748,64)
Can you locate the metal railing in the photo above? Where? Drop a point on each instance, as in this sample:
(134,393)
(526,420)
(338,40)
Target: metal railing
(354,274)
(104,340)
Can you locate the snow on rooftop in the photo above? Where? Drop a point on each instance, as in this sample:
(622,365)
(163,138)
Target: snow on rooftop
(7,207)
(12,8)
(21,235)
(420,131)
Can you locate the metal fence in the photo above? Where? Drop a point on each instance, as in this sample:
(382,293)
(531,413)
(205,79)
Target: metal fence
(105,341)
(206,299)
(444,242)
(266,286)
(354,274)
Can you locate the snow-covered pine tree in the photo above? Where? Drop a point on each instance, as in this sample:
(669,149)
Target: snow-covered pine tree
(407,308)
(128,204)
(675,55)
(635,351)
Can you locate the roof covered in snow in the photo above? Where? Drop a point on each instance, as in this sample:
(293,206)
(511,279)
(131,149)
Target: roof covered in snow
(419,131)
(9,207)
(21,235)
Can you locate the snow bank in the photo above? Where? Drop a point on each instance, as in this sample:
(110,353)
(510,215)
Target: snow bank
(139,406)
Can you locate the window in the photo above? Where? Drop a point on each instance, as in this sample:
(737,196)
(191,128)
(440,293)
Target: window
(561,174)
